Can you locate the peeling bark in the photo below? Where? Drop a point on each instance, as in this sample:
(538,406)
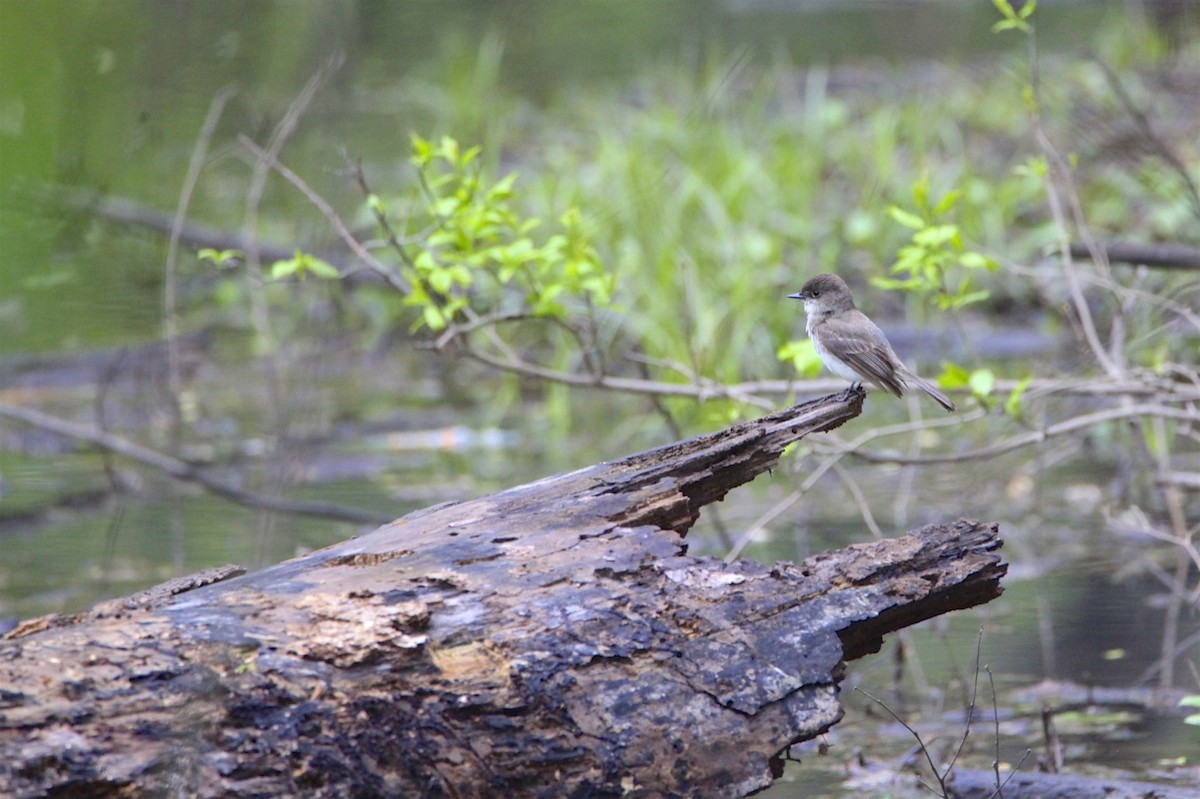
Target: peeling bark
(551,640)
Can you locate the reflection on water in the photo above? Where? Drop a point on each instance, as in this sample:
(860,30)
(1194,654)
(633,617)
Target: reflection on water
(1071,626)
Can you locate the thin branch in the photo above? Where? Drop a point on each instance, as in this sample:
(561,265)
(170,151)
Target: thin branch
(1038,436)
(398,245)
(920,742)
(707,390)
(457,330)
(1163,256)
(784,504)
(856,492)
(170,311)
(184,471)
(390,276)
(1157,143)
(1078,301)
(962,744)
(259,311)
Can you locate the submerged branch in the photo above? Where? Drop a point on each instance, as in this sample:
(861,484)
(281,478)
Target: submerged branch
(186,472)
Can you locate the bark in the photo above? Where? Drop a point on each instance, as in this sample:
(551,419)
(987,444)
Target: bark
(551,640)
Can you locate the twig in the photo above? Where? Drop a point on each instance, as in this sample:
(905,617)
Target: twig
(184,471)
(398,245)
(970,705)
(1054,757)
(390,276)
(996,723)
(1157,144)
(170,310)
(457,330)
(784,504)
(707,390)
(1078,301)
(260,314)
(920,742)
(864,507)
(1164,256)
(1038,436)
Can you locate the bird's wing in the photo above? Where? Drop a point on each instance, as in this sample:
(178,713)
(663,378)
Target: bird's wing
(870,356)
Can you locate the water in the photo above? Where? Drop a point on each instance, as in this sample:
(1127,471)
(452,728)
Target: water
(111,96)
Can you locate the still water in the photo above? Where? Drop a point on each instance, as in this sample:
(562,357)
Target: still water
(108,97)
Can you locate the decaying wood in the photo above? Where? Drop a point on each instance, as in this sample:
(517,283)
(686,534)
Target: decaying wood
(551,640)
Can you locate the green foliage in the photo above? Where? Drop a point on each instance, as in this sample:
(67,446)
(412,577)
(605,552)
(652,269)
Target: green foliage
(803,357)
(671,217)
(1014,19)
(301,265)
(981,382)
(935,262)
(1191,700)
(480,243)
(1014,406)
(220,258)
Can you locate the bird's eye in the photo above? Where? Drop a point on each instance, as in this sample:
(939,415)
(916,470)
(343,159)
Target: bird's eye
(816,294)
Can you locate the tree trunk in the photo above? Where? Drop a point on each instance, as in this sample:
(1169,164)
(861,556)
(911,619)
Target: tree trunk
(551,640)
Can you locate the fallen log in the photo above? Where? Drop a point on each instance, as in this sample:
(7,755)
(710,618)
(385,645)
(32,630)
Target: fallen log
(554,639)
(969,784)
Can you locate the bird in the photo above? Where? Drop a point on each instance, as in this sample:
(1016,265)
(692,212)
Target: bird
(851,345)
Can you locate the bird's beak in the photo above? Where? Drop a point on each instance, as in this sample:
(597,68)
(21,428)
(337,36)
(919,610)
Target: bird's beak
(797,296)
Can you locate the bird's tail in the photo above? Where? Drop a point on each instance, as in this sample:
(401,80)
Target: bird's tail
(930,389)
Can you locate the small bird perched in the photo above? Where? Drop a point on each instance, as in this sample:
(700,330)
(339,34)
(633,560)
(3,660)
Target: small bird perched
(851,345)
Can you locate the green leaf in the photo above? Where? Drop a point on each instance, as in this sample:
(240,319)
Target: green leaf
(281,269)
(322,269)
(803,357)
(920,194)
(221,258)
(971,298)
(440,280)
(422,150)
(448,149)
(953,376)
(433,317)
(976,260)
(1014,406)
(982,381)
(303,264)
(936,235)
(892,284)
(948,201)
(906,218)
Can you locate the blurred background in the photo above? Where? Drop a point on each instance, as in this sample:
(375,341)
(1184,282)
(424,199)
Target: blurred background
(696,161)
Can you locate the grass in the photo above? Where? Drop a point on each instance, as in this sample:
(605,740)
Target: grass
(713,189)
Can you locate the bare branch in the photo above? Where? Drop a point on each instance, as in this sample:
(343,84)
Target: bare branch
(184,471)
(393,278)
(170,315)
(1165,256)
(1039,436)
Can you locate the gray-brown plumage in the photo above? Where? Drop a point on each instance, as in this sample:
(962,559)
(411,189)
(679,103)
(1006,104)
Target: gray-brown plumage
(851,345)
